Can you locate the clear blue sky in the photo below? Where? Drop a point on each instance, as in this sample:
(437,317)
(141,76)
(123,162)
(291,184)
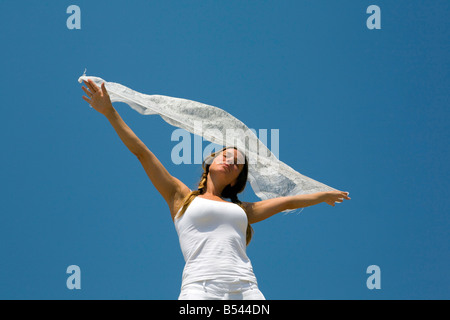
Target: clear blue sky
(365,111)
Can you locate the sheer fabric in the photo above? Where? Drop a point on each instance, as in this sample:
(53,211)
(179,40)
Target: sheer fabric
(268,176)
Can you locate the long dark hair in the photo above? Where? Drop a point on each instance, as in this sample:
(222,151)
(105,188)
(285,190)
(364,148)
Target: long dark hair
(229,191)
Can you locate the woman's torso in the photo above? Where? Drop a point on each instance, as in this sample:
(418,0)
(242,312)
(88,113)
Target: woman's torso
(212,237)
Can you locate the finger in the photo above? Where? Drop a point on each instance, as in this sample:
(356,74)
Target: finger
(87,91)
(87,99)
(94,85)
(89,85)
(104,88)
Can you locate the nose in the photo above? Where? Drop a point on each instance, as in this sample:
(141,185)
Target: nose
(230,161)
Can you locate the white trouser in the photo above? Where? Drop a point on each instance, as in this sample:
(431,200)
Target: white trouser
(221,290)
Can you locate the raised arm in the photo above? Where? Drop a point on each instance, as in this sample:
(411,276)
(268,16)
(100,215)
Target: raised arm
(168,186)
(261,210)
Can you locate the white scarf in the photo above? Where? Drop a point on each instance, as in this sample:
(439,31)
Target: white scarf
(268,176)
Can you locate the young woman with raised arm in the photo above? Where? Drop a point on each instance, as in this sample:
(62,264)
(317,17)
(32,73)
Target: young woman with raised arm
(213,232)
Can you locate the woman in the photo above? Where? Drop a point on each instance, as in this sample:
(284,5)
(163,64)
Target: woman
(213,232)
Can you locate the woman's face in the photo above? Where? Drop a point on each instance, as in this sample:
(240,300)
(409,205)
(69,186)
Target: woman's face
(229,164)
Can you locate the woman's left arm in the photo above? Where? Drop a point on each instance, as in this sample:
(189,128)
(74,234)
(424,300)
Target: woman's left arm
(261,210)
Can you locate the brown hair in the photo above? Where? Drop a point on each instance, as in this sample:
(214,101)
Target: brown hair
(228,192)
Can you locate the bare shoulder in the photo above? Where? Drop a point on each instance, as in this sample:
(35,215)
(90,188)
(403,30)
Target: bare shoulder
(248,206)
(261,210)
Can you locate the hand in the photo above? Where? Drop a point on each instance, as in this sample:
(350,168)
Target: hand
(331,197)
(98,98)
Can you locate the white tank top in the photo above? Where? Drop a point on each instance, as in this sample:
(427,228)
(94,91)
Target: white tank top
(212,238)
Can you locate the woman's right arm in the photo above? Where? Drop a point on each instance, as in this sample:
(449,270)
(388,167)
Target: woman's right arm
(168,186)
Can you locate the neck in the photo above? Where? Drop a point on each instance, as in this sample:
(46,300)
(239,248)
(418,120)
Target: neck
(213,187)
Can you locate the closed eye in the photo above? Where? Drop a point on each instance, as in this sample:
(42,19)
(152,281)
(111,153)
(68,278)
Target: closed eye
(225,157)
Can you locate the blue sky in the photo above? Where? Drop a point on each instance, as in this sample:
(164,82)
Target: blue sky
(365,111)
